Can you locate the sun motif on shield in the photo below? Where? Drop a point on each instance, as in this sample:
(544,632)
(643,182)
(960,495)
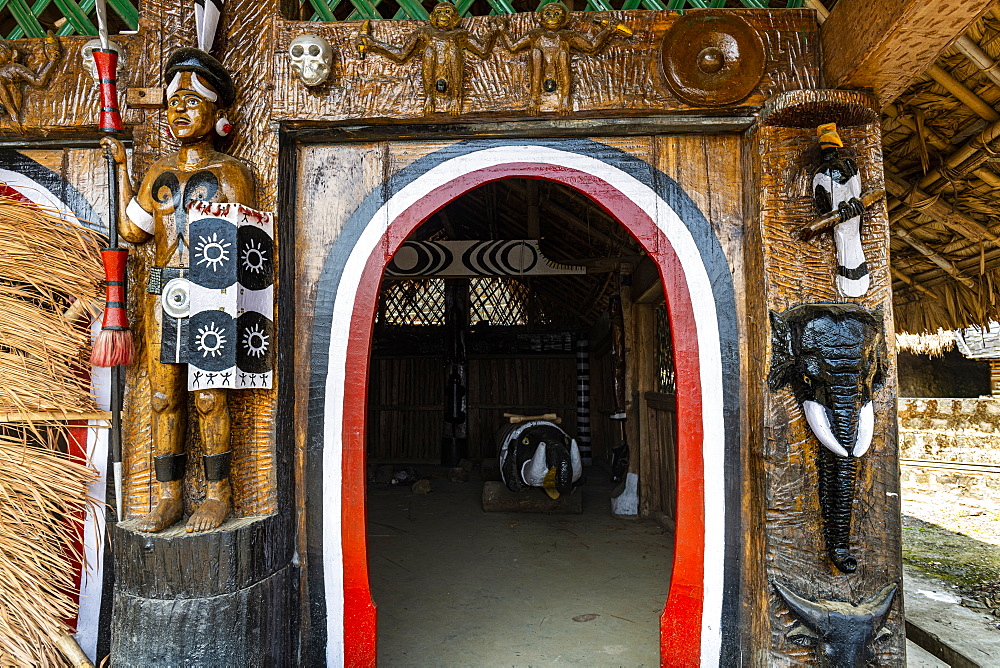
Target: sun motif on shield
(212,251)
(254,257)
(255,341)
(210,340)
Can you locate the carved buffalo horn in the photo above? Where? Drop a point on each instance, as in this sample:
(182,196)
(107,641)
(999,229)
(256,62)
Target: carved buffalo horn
(841,632)
(534,470)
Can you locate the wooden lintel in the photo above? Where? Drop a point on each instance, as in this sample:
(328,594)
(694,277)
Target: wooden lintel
(900,39)
(965,225)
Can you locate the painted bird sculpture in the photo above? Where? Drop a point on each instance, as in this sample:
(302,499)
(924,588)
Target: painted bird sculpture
(837,187)
(538,453)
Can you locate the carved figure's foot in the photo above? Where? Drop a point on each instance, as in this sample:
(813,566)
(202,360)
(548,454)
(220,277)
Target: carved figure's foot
(214,509)
(166,512)
(565,108)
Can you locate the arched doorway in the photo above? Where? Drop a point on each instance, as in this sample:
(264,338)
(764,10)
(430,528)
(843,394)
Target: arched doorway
(701,613)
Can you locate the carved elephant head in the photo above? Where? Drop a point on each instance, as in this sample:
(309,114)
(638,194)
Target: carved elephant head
(833,356)
(538,453)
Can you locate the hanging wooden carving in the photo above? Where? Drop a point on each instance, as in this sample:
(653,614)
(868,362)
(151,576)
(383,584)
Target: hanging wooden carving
(837,186)
(551,47)
(442,46)
(833,356)
(451,259)
(841,632)
(712,58)
(15,75)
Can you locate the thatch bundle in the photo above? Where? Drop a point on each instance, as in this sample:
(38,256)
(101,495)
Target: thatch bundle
(925,127)
(46,262)
(43,498)
(933,345)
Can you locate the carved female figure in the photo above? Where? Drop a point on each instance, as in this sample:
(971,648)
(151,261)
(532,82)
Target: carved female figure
(442,45)
(199,90)
(552,46)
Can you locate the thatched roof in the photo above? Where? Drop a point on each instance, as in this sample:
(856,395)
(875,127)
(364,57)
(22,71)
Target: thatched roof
(942,146)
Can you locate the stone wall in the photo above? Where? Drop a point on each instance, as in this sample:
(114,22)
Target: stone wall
(950,445)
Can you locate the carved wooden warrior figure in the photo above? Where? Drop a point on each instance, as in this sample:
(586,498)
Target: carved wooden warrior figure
(552,46)
(14,75)
(196,247)
(442,46)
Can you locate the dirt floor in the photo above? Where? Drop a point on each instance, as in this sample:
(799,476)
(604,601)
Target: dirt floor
(957,538)
(458,586)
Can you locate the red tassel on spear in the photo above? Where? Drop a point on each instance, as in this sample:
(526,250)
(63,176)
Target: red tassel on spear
(114,345)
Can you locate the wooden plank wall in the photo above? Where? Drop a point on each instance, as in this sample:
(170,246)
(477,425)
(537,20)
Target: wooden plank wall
(406,401)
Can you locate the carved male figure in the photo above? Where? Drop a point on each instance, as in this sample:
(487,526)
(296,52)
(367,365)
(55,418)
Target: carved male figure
(13,75)
(442,45)
(199,89)
(552,46)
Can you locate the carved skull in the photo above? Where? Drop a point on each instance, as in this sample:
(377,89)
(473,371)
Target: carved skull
(87,54)
(311,58)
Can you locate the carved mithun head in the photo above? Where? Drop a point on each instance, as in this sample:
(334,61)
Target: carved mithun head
(311,59)
(841,633)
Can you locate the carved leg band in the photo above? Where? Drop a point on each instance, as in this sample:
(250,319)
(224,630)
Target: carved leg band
(217,466)
(170,467)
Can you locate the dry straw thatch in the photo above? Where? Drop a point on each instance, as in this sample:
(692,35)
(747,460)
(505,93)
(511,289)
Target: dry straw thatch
(46,262)
(922,129)
(43,498)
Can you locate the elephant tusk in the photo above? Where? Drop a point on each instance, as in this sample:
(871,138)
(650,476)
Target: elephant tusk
(533,471)
(866,429)
(575,461)
(819,421)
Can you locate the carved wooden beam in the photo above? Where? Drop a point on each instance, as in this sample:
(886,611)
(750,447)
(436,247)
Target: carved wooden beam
(901,39)
(965,225)
(926,251)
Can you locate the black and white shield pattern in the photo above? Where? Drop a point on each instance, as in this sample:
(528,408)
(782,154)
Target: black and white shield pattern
(213,252)
(256,257)
(212,353)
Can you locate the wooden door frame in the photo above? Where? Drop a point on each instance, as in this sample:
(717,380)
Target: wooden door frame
(700,622)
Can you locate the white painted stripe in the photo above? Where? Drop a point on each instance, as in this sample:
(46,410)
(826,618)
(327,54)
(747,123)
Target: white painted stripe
(37,193)
(710,360)
(92,580)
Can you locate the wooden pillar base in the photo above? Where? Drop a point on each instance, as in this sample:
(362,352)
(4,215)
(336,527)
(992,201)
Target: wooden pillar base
(228,597)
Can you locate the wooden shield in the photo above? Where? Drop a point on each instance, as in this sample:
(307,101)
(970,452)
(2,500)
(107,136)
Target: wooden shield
(712,58)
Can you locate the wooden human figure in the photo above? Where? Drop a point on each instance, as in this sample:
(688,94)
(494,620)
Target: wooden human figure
(442,46)
(14,75)
(837,186)
(552,46)
(199,90)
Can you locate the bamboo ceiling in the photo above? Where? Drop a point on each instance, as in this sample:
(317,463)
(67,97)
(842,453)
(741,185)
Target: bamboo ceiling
(941,139)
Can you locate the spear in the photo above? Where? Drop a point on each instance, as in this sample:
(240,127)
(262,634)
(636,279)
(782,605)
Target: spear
(114,344)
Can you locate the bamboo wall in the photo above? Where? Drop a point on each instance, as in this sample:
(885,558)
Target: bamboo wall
(406,401)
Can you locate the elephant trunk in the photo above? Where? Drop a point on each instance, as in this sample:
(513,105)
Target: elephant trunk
(836,496)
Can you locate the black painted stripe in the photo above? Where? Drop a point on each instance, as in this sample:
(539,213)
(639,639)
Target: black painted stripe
(859,271)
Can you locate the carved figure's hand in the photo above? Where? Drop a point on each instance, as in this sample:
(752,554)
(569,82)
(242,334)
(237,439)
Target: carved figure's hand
(852,208)
(117,149)
(51,47)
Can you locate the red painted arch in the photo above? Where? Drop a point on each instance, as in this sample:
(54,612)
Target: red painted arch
(681,621)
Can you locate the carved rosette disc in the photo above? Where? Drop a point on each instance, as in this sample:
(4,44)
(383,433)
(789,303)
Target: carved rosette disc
(712,58)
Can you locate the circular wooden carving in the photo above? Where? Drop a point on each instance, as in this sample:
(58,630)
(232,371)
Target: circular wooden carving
(712,58)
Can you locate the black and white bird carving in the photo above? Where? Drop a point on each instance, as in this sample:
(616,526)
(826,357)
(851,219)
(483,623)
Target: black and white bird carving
(837,187)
